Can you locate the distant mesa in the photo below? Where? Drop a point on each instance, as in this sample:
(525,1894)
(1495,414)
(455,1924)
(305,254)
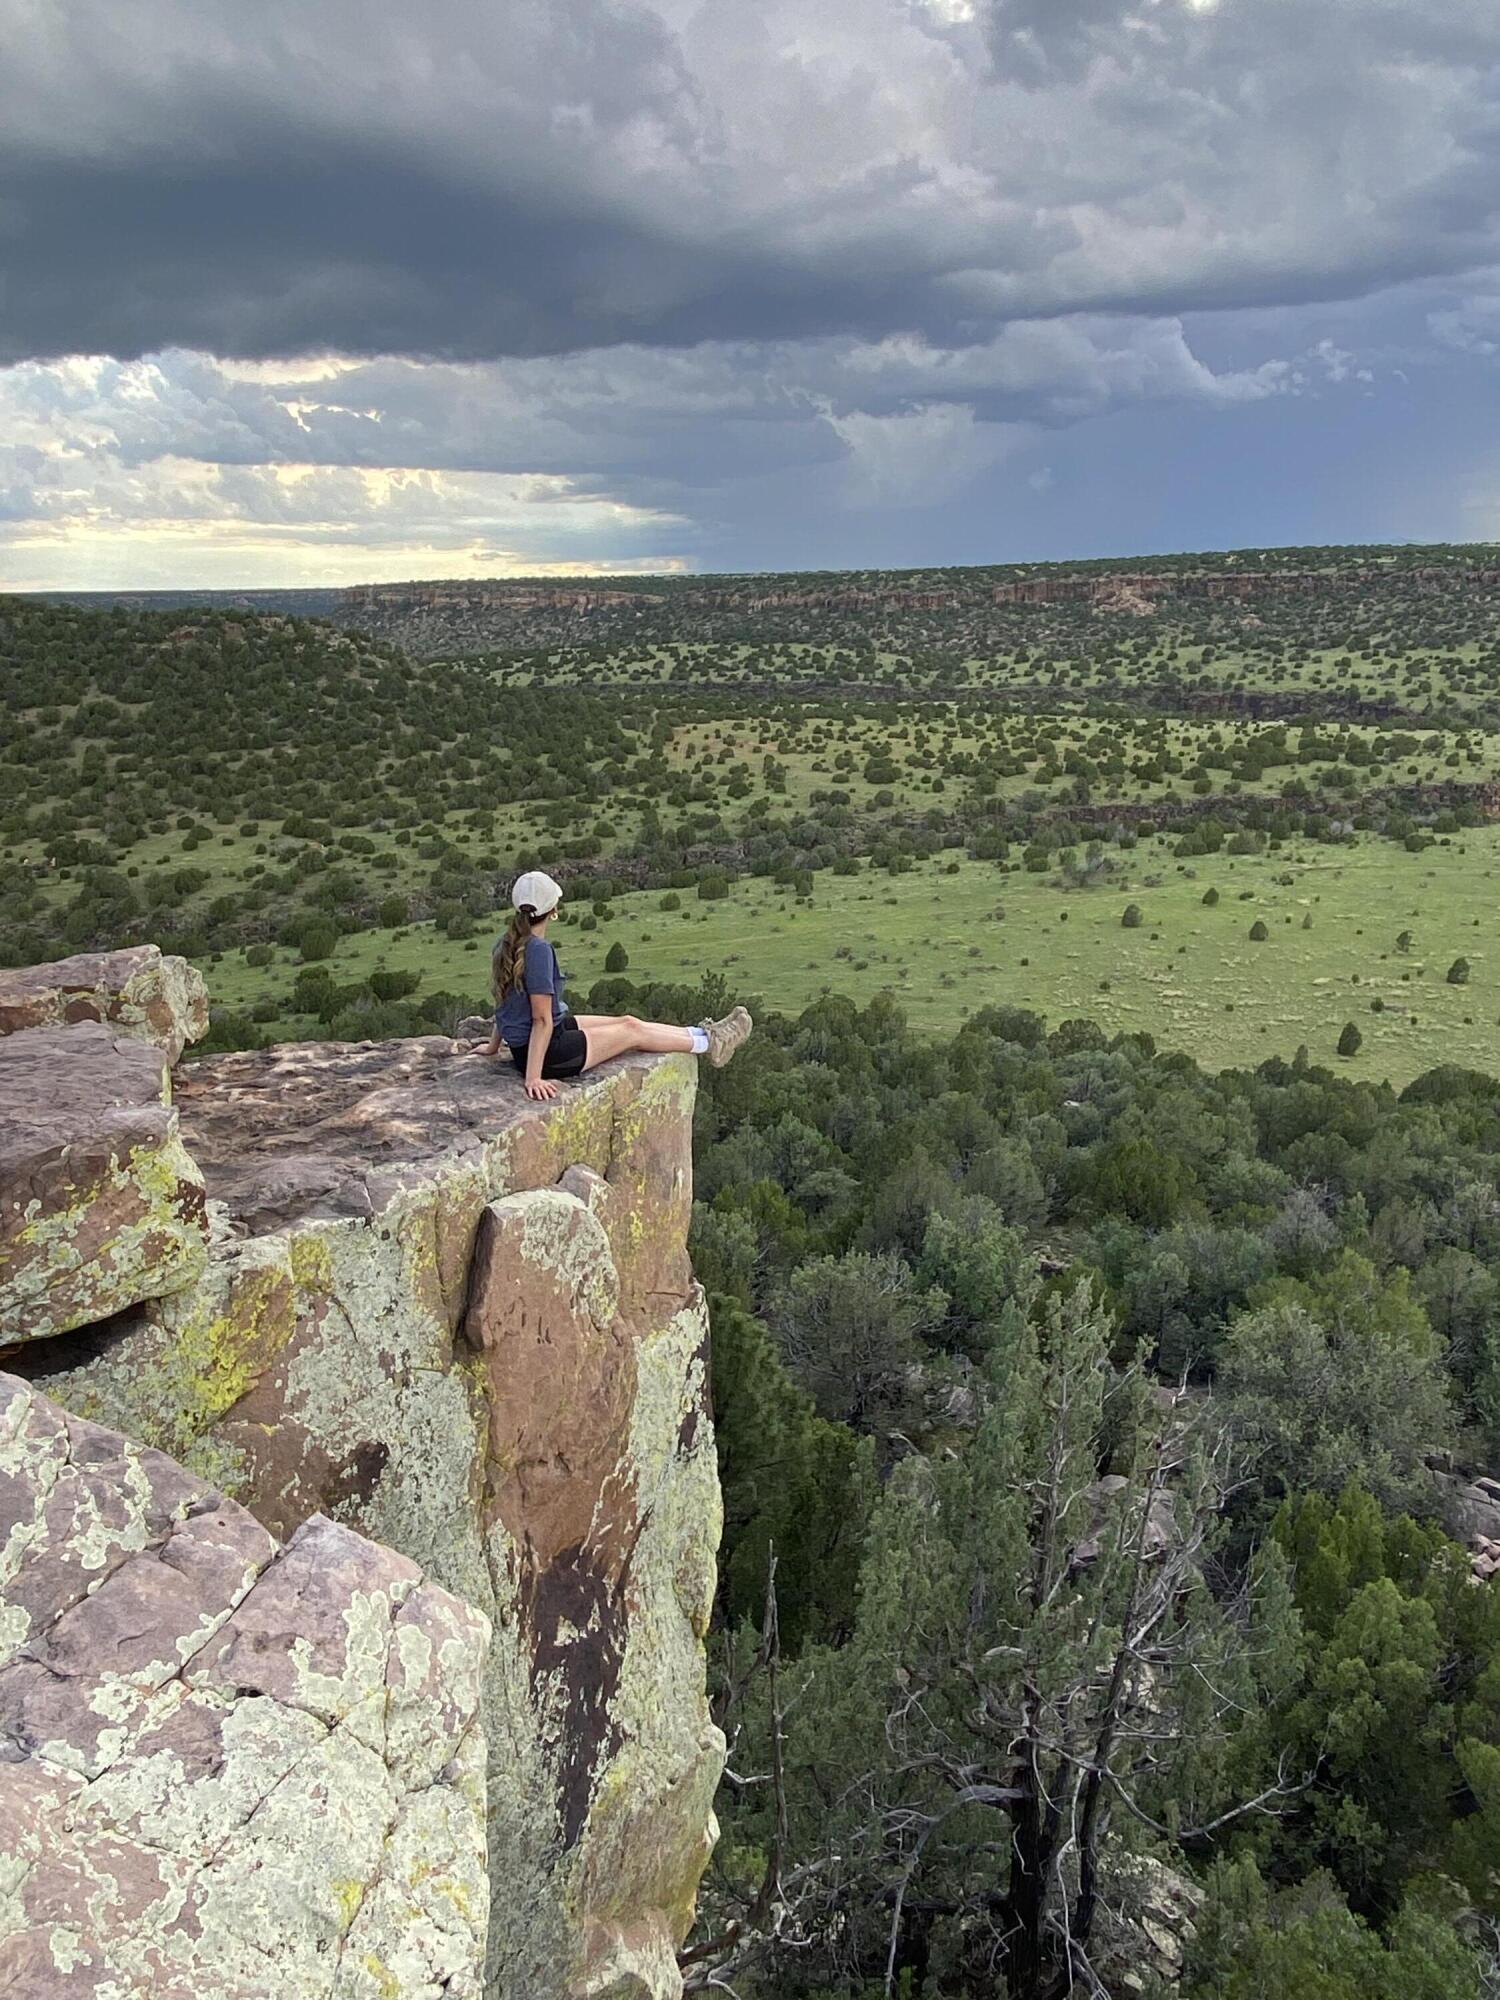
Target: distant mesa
(455,615)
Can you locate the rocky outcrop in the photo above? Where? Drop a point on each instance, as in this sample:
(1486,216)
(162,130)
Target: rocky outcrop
(1471,1507)
(1150,1918)
(465,1325)
(227,1769)
(140,994)
(100,1204)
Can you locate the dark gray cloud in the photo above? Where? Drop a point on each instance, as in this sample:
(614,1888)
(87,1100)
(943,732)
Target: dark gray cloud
(297,291)
(544,176)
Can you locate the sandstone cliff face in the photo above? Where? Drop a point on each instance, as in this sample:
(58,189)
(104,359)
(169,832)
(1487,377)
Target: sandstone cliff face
(465,1326)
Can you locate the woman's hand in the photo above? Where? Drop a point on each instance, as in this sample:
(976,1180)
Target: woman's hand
(541,1088)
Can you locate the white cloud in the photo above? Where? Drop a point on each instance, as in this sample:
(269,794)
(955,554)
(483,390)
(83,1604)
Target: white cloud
(1472,327)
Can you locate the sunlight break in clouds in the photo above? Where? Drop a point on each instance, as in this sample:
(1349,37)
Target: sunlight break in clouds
(347,470)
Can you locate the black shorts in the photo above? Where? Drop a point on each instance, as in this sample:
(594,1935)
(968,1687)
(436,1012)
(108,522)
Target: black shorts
(567,1052)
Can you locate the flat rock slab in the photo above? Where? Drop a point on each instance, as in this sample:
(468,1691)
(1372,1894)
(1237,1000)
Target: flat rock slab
(227,1769)
(100,1205)
(318,1131)
(140,993)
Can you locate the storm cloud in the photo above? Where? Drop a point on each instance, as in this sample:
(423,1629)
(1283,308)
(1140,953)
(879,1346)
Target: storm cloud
(537,177)
(697,262)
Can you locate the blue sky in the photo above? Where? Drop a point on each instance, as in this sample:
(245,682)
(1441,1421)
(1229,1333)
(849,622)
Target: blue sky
(320,293)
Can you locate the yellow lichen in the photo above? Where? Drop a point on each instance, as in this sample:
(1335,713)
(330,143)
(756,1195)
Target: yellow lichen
(381,1973)
(312,1267)
(215,1358)
(348,1893)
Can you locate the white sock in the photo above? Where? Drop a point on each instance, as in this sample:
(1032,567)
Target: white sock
(700,1041)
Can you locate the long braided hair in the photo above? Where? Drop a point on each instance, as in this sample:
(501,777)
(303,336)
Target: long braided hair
(508,961)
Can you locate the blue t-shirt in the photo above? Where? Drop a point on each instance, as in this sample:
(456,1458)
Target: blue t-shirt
(543,975)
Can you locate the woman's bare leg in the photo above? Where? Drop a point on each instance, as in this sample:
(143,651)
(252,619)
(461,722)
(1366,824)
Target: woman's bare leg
(617,1034)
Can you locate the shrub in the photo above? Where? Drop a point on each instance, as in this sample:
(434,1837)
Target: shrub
(393,912)
(1458,972)
(1350,1041)
(713,888)
(258,955)
(671,901)
(317,937)
(1132,919)
(389,986)
(617,958)
(1210,897)
(1258,932)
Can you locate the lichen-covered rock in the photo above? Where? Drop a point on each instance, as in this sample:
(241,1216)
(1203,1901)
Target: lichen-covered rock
(139,993)
(466,1325)
(227,1770)
(101,1206)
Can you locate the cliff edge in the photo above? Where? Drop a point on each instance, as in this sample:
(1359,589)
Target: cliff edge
(405,1300)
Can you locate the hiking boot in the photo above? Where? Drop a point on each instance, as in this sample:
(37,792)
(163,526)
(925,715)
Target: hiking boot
(725,1036)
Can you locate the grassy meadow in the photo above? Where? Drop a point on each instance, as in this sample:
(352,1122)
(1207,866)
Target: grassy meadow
(267,796)
(955,935)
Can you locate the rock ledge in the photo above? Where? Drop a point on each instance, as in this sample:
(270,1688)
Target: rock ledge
(427,1312)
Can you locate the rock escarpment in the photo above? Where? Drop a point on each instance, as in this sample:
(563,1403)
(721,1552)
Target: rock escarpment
(466,615)
(465,1326)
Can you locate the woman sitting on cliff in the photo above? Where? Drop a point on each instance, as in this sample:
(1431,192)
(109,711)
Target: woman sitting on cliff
(544,1039)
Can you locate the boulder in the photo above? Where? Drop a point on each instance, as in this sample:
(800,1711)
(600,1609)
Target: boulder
(465,1325)
(100,1205)
(1471,1509)
(227,1769)
(141,994)
(1150,1919)
(1161,1532)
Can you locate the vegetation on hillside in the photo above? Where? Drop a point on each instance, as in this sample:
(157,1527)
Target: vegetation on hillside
(1089,1416)
(284,793)
(1087,1404)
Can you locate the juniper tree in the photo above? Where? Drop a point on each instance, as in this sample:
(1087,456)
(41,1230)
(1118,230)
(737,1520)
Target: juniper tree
(1040,1680)
(1337,1378)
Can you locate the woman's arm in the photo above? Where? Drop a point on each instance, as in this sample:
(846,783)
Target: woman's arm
(536,1049)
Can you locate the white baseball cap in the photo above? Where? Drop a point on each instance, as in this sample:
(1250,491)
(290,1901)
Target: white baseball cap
(536,891)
